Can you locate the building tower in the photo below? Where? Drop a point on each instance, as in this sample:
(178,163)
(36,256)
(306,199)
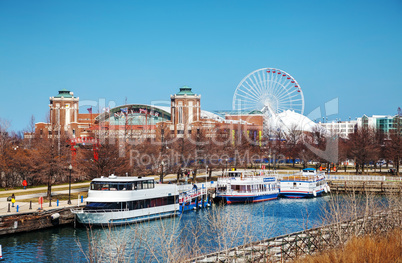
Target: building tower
(63,112)
(185,110)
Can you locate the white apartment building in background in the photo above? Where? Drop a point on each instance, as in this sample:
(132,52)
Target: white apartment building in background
(341,128)
(383,123)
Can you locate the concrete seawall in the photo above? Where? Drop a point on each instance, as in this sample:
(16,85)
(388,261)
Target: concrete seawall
(26,222)
(379,187)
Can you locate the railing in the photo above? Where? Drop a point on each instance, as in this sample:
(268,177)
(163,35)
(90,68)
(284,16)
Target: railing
(303,178)
(292,246)
(193,193)
(356,177)
(81,210)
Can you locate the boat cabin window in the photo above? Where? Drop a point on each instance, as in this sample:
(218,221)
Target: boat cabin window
(122,186)
(234,174)
(133,205)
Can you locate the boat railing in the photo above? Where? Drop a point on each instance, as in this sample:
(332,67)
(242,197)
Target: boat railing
(188,196)
(82,210)
(304,178)
(251,177)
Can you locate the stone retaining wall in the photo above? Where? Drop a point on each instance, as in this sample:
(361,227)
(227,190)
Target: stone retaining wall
(26,222)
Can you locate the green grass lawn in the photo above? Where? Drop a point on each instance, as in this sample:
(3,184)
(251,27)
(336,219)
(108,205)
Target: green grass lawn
(34,190)
(61,197)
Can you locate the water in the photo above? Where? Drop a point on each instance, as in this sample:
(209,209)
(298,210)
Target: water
(193,233)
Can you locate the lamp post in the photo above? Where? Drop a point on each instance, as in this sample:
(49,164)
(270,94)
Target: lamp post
(269,162)
(70,167)
(161,179)
(226,165)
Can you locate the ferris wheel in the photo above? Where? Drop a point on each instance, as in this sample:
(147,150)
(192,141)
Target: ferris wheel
(270,91)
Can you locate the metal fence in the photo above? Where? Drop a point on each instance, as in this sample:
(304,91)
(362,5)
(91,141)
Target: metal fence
(366,178)
(356,177)
(290,247)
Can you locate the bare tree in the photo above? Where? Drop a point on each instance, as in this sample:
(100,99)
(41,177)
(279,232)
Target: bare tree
(103,160)
(394,150)
(293,143)
(363,147)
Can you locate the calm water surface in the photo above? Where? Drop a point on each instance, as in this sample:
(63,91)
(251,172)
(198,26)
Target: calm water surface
(203,231)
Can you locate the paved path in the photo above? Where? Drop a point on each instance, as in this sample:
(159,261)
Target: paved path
(44,188)
(23,207)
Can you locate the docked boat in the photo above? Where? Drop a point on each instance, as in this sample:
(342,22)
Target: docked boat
(120,200)
(308,183)
(242,187)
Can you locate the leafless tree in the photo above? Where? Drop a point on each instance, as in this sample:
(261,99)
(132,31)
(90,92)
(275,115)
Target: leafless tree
(394,150)
(103,160)
(363,147)
(293,143)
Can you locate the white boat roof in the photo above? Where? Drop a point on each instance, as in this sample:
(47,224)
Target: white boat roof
(114,178)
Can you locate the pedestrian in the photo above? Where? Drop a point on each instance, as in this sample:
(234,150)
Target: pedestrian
(24,184)
(12,200)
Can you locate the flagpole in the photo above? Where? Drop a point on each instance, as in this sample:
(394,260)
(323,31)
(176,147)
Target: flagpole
(90,121)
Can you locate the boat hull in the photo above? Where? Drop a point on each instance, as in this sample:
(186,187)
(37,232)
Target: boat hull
(300,194)
(230,199)
(124,217)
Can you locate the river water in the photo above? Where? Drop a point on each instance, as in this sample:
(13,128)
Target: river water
(170,239)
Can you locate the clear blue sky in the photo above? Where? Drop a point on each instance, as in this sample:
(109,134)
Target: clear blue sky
(146,50)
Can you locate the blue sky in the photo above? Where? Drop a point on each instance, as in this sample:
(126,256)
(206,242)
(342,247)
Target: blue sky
(146,50)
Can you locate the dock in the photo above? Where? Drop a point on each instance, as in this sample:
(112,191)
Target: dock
(365,184)
(31,221)
(28,216)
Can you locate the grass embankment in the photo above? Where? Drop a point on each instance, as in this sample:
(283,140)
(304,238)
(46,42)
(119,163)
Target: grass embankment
(38,191)
(60,197)
(371,249)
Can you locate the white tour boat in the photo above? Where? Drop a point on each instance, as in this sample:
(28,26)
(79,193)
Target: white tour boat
(308,183)
(240,187)
(120,200)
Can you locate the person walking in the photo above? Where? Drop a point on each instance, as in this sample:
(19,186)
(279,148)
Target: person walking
(24,184)
(12,200)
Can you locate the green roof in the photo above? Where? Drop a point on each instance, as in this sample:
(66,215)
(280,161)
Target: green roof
(185,90)
(237,112)
(64,93)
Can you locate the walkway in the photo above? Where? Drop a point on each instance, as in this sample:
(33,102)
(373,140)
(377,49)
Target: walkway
(29,193)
